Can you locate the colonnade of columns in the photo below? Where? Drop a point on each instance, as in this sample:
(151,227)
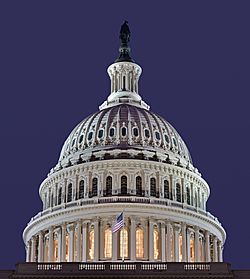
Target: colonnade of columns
(91,240)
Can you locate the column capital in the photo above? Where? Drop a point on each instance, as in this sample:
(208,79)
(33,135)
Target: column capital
(183,225)
(177,228)
(71,227)
(196,229)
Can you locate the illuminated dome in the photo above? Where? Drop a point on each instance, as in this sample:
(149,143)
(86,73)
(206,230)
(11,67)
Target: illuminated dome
(124,158)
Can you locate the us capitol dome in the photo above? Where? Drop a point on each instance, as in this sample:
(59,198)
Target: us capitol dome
(124,159)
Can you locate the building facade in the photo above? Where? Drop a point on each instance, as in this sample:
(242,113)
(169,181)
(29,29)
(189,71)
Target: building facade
(124,158)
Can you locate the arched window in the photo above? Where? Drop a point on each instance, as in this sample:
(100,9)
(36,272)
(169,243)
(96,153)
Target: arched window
(46,249)
(56,259)
(166,190)
(138,186)
(124,131)
(192,249)
(180,248)
(156,244)
(135,132)
(108,243)
(94,187)
(139,235)
(178,192)
(196,200)
(109,186)
(124,185)
(67,248)
(69,196)
(60,196)
(91,244)
(188,195)
(124,242)
(81,189)
(152,187)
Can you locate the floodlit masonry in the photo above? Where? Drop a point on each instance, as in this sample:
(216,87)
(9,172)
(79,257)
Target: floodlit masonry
(124,158)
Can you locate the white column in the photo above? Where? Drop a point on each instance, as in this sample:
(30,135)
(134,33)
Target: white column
(220,257)
(59,239)
(176,243)
(151,240)
(71,230)
(51,244)
(96,240)
(196,244)
(63,243)
(207,247)
(188,244)
(163,242)
(78,244)
(33,249)
(215,249)
(84,241)
(40,247)
(169,242)
(184,242)
(28,251)
(132,240)
(114,243)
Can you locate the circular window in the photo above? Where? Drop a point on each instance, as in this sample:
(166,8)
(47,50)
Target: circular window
(81,139)
(90,135)
(135,132)
(157,135)
(100,134)
(146,133)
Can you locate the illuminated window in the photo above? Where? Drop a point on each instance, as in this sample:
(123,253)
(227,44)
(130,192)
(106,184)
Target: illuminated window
(91,245)
(138,186)
(152,187)
(180,248)
(124,242)
(94,187)
(109,186)
(139,234)
(56,259)
(156,244)
(108,243)
(201,250)
(188,195)
(178,192)
(75,246)
(67,248)
(60,196)
(166,189)
(69,197)
(81,189)
(124,185)
(192,250)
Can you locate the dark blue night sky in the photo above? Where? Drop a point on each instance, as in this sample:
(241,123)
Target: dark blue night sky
(195,57)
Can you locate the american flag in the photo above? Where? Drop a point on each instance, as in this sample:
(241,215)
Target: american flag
(119,223)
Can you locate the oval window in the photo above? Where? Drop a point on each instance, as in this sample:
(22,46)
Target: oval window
(146,132)
(112,132)
(81,139)
(124,131)
(90,135)
(174,140)
(135,132)
(100,133)
(157,135)
(166,138)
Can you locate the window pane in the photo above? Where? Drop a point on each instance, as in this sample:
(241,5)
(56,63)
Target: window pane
(156,244)
(108,243)
(91,244)
(125,243)
(139,243)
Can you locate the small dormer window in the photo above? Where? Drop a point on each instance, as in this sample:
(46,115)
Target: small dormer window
(146,133)
(135,132)
(157,135)
(124,131)
(90,135)
(100,133)
(112,132)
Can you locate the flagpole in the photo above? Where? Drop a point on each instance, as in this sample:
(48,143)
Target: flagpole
(123,236)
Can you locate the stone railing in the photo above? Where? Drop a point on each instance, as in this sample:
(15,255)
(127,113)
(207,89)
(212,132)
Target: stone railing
(121,267)
(125,199)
